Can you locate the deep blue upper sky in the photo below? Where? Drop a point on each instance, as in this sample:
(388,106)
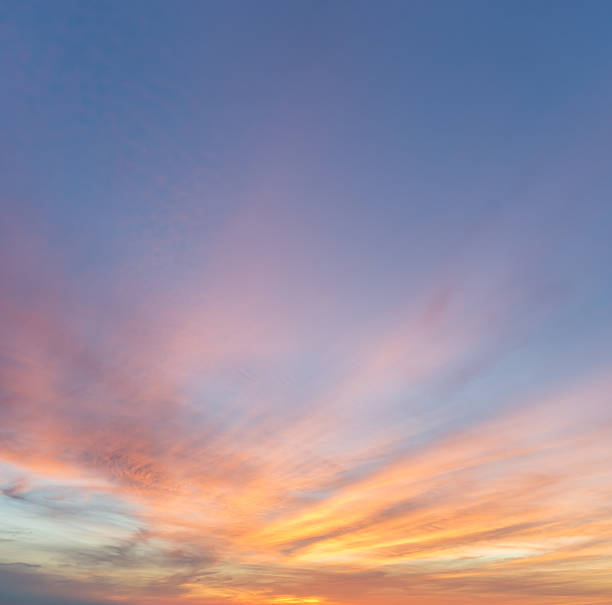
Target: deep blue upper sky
(400,129)
(107,107)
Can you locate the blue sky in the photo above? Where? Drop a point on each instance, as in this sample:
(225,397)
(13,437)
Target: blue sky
(305,302)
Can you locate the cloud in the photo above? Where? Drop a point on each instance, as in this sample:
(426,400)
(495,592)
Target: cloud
(24,584)
(169,449)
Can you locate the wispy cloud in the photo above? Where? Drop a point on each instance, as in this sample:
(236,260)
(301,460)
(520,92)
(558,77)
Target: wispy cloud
(220,477)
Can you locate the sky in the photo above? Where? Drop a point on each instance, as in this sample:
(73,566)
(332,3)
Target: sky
(305,303)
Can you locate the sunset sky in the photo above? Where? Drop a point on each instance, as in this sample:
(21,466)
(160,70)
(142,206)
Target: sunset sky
(306,302)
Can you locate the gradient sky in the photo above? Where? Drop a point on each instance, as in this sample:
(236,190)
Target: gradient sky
(306,303)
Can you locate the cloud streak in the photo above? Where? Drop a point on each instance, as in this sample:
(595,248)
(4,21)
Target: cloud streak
(246,501)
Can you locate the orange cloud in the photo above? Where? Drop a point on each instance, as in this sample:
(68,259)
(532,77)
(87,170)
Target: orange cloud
(176,497)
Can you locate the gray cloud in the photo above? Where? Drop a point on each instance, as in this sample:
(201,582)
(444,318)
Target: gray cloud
(25,584)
